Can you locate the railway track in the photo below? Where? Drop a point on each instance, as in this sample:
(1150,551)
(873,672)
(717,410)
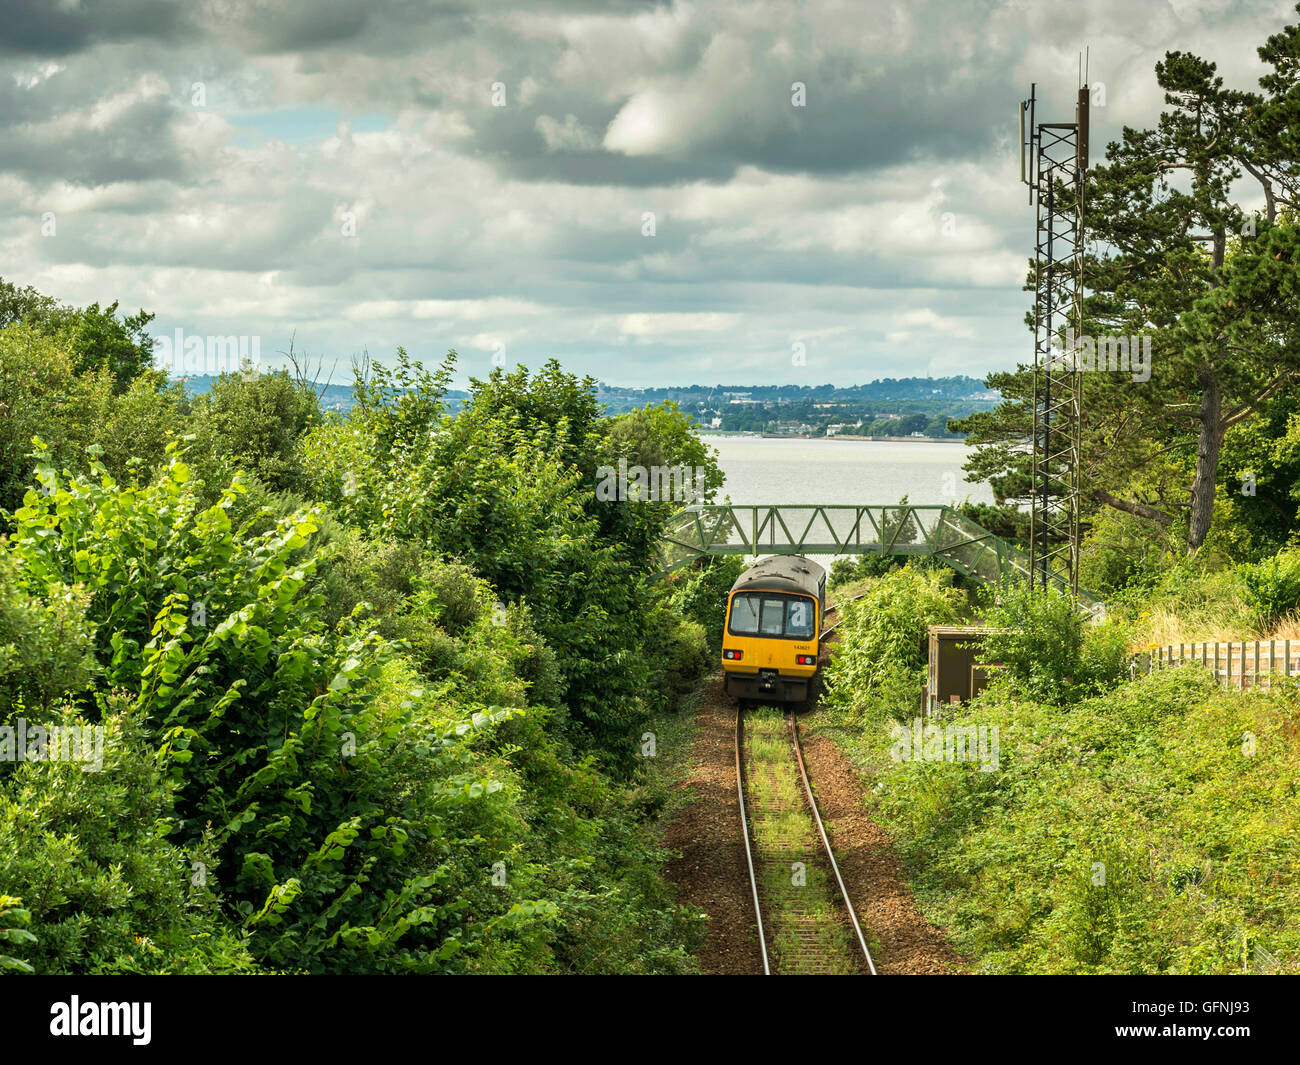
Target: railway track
(810,926)
(835,609)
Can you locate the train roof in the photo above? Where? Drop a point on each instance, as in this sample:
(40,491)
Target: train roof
(782,573)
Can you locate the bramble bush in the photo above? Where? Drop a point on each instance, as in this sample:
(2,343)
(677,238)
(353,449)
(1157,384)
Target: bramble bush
(1147,829)
(1045,647)
(878,664)
(284,767)
(1270,589)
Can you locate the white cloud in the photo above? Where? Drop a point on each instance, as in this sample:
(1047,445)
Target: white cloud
(570,135)
(675,324)
(883,224)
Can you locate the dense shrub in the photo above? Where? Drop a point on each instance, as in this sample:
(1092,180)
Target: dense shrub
(354,810)
(701,595)
(87,853)
(254,421)
(46,643)
(267,722)
(501,488)
(41,394)
(362,721)
(1145,830)
(1122,551)
(683,659)
(879,659)
(1047,649)
(1270,589)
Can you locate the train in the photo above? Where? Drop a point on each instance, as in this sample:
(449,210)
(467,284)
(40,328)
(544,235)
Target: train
(775,613)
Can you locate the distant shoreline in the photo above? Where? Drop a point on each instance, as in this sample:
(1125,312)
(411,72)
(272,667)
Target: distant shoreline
(841,436)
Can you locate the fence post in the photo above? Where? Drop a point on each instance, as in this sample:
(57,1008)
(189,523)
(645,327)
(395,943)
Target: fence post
(1216,662)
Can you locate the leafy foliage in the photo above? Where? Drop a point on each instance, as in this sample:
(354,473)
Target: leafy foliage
(103,888)
(1132,832)
(1270,589)
(881,654)
(1041,643)
(374,744)
(253,421)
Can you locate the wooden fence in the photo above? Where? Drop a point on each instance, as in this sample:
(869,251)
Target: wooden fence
(1240,664)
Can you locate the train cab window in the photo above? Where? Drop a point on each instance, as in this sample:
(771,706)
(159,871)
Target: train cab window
(773,617)
(798,618)
(744,614)
(756,614)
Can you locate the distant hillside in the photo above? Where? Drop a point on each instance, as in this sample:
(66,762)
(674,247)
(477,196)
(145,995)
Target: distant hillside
(887,389)
(890,406)
(909,406)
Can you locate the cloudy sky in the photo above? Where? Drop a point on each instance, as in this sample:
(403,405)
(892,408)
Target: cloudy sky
(627,186)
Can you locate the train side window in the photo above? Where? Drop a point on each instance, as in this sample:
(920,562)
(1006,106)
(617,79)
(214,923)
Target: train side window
(798,618)
(773,619)
(744,614)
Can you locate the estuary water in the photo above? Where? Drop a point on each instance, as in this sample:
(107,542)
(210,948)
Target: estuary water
(853,472)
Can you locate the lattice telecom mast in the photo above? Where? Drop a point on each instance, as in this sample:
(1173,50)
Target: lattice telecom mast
(1053,161)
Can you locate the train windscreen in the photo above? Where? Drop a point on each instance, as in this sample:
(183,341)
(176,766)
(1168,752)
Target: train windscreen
(765,614)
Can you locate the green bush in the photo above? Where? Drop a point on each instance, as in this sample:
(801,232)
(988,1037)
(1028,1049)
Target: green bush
(14,919)
(87,852)
(862,567)
(254,421)
(46,643)
(500,488)
(700,594)
(1045,647)
(41,394)
(1270,589)
(382,729)
(878,663)
(303,775)
(1148,829)
(684,658)
(1122,551)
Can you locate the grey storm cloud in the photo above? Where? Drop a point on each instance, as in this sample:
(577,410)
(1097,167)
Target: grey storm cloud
(649,204)
(56,28)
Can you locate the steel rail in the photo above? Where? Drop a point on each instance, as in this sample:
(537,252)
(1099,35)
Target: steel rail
(830,853)
(831,628)
(744,832)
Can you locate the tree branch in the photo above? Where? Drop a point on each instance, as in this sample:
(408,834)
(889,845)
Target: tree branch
(1247,409)
(1141,510)
(1267,187)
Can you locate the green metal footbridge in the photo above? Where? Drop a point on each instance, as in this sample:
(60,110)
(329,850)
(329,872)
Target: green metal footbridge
(941,532)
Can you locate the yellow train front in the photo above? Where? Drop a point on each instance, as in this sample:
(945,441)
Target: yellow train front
(774,620)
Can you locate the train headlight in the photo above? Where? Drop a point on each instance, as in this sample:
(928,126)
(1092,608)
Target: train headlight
(735,656)
(806,660)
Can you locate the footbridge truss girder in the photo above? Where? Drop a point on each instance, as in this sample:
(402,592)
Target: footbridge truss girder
(939,531)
